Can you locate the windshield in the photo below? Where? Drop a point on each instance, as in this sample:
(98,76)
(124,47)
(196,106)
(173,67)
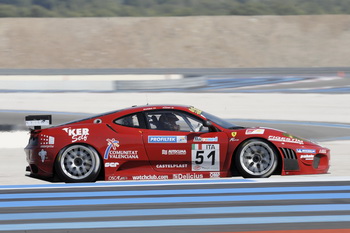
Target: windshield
(221,122)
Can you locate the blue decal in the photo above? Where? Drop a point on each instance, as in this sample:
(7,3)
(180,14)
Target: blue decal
(306,151)
(112,143)
(167,139)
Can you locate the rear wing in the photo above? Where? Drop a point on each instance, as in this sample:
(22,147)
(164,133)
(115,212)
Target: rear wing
(37,121)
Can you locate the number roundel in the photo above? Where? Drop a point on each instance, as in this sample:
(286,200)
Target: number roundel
(205,157)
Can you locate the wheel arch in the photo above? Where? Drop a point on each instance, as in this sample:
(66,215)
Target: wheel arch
(278,170)
(101,174)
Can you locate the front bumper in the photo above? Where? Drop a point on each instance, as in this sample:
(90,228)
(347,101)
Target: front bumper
(304,161)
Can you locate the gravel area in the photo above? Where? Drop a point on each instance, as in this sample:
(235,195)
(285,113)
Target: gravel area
(175,42)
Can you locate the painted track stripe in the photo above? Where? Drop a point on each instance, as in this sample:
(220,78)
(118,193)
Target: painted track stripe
(294,231)
(172,192)
(175,222)
(195,199)
(130,183)
(175,211)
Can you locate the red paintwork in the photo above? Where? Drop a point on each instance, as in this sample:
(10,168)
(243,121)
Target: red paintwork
(132,157)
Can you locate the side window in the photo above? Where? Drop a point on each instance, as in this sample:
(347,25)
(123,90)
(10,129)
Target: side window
(174,121)
(197,125)
(166,120)
(182,124)
(153,119)
(129,121)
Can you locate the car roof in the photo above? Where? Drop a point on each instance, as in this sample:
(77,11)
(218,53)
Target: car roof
(133,109)
(158,106)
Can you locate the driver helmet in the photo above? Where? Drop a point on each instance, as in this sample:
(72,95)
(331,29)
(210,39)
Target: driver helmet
(169,121)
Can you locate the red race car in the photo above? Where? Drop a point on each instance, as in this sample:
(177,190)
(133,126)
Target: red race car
(160,142)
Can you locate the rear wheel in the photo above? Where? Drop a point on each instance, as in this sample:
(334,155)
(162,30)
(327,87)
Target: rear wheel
(256,158)
(78,163)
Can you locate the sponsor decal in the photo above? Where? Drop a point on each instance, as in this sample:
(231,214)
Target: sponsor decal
(115,164)
(42,155)
(311,151)
(150,177)
(284,139)
(254,131)
(112,144)
(200,139)
(123,154)
(205,157)
(196,168)
(80,134)
(167,139)
(234,140)
(117,178)
(195,110)
(214,174)
(307,157)
(148,108)
(171,166)
(113,152)
(174,152)
(47,141)
(291,136)
(187,176)
(38,122)
(323,151)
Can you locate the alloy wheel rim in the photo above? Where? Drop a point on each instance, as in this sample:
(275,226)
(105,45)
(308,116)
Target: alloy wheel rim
(77,162)
(257,158)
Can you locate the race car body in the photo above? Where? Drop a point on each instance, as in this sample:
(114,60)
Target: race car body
(162,142)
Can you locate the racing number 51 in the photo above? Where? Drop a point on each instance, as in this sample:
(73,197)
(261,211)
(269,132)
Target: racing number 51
(200,156)
(205,157)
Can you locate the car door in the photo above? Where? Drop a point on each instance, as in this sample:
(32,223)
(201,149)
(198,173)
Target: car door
(125,147)
(179,141)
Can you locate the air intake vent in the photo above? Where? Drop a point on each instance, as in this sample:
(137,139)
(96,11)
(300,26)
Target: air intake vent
(290,159)
(288,153)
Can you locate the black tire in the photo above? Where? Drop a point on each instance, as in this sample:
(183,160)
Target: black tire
(78,163)
(256,158)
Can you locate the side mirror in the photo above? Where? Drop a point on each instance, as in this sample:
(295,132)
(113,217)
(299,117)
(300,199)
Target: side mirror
(207,124)
(210,126)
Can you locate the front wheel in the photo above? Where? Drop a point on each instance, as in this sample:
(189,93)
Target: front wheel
(256,158)
(78,163)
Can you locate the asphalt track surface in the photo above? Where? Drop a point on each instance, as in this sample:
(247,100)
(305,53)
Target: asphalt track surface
(231,81)
(225,205)
(268,84)
(278,84)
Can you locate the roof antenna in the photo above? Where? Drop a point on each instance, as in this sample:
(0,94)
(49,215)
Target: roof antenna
(147,98)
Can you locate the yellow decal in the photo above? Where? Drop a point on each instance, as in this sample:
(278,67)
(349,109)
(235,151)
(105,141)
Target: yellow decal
(233,134)
(195,110)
